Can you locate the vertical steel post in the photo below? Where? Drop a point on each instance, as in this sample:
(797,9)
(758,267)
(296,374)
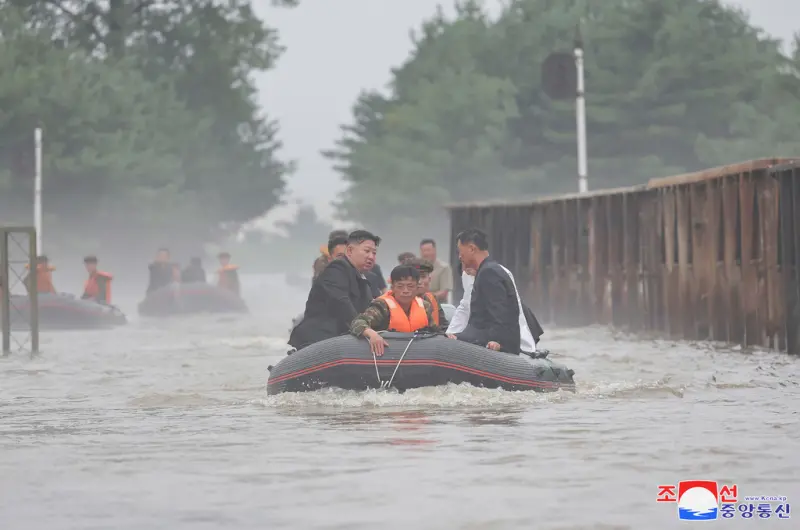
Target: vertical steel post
(6,298)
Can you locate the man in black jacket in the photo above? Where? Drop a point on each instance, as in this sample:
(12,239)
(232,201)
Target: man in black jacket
(339,294)
(494,308)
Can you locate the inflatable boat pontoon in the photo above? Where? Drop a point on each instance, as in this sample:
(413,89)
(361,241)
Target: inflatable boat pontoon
(412,361)
(60,311)
(191,298)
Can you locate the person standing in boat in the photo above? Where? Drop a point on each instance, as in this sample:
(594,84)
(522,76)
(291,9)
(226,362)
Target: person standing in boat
(98,285)
(228,274)
(399,309)
(494,319)
(442,276)
(43,276)
(339,294)
(425,269)
(325,256)
(194,273)
(162,271)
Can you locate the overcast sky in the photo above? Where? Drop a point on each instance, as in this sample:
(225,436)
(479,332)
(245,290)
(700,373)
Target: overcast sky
(335,48)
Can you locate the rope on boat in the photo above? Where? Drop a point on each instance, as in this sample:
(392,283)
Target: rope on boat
(389,384)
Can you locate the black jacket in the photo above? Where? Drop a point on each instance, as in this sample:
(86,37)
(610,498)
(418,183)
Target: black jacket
(161,275)
(337,296)
(494,311)
(193,274)
(377,282)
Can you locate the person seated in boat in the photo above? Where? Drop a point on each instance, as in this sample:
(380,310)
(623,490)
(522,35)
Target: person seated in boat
(228,274)
(98,285)
(339,293)
(494,318)
(399,309)
(325,256)
(194,273)
(425,269)
(162,271)
(530,329)
(404,257)
(43,276)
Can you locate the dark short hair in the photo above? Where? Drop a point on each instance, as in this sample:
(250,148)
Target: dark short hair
(422,265)
(476,236)
(405,256)
(224,255)
(427,242)
(357,237)
(404,272)
(163,249)
(42,257)
(337,233)
(335,242)
(90,259)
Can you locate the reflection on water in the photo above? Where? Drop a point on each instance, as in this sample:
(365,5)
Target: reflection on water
(168,425)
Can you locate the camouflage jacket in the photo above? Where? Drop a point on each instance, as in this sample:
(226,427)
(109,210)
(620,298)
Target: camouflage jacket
(377,316)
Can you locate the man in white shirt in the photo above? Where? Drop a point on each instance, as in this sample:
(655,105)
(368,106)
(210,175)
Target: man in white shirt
(461,315)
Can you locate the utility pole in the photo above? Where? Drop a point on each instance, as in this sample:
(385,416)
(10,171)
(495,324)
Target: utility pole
(37,190)
(580,113)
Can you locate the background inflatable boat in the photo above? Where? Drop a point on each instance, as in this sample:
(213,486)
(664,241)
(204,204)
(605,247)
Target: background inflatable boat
(430,360)
(65,311)
(191,298)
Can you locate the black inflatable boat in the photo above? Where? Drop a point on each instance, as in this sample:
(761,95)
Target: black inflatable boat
(427,360)
(65,311)
(191,298)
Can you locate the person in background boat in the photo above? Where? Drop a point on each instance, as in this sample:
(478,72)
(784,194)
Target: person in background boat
(162,271)
(425,268)
(98,285)
(228,274)
(194,273)
(494,319)
(339,294)
(44,276)
(325,256)
(399,309)
(442,277)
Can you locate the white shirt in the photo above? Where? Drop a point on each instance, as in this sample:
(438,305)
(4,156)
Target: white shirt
(460,318)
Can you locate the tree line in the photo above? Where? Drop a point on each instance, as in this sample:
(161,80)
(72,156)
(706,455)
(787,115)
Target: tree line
(149,114)
(671,87)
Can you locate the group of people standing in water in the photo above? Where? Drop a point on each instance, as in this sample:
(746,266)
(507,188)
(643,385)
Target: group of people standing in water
(350,295)
(162,272)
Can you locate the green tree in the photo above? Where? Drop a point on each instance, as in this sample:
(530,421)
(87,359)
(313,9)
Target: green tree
(206,52)
(671,87)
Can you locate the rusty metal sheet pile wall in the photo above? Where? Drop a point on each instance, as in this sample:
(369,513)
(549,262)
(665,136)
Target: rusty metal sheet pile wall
(707,256)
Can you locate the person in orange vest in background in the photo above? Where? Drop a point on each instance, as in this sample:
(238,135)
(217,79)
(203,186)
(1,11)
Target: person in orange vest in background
(98,285)
(325,256)
(228,274)
(44,276)
(425,269)
(399,309)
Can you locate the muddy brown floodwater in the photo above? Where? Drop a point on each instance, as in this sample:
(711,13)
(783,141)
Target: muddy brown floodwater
(168,425)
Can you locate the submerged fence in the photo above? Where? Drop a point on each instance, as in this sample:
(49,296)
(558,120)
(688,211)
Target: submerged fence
(712,255)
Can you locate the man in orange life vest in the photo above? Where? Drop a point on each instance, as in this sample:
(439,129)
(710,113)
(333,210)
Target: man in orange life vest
(399,309)
(325,256)
(98,286)
(44,276)
(425,269)
(228,274)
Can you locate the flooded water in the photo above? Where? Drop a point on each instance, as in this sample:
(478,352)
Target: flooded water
(168,425)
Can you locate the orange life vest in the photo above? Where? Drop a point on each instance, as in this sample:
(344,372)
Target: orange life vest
(44,278)
(399,320)
(435,305)
(91,288)
(224,278)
